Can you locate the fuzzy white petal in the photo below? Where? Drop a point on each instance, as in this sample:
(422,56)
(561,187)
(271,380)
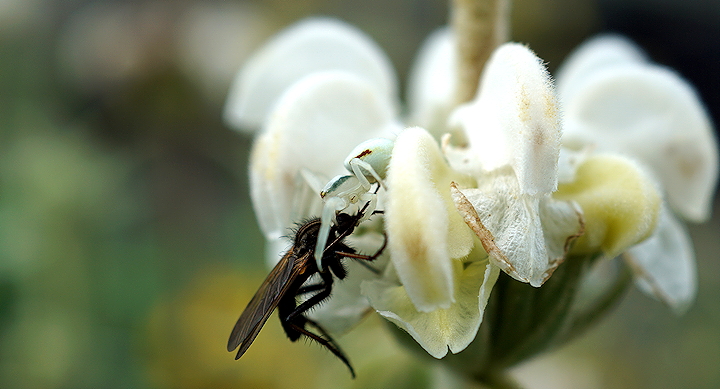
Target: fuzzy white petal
(514,120)
(652,114)
(595,54)
(431,86)
(569,162)
(664,264)
(620,202)
(526,236)
(262,191)
(424,230)
(312,45)
(316,123)
(562,224)
(452,328)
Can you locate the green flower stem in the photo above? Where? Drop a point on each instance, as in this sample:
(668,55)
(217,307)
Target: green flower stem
(479,26)
(584,319)
(533,325)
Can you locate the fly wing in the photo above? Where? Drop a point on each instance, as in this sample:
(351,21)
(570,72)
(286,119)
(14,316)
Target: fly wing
(264,303)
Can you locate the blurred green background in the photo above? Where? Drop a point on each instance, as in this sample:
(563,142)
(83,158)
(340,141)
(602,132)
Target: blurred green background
(128,246)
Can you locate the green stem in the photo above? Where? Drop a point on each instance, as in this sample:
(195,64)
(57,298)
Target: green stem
(599,309)
(479,26)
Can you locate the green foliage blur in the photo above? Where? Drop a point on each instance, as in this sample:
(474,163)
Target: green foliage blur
(128,244)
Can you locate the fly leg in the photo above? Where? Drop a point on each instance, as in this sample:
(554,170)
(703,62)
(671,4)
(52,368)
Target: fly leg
(309,288)
(325,287)
(294,323)
(298,324)
(292,315)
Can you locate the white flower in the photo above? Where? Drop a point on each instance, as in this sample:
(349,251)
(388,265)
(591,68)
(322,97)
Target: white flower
(499,194)
(616,100)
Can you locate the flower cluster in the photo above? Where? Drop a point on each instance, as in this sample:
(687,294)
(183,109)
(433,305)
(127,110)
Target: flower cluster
(524,178)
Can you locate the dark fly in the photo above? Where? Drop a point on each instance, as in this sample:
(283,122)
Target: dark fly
(287,281)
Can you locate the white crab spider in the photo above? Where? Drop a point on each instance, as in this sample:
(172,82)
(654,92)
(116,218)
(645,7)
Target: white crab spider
(368,163)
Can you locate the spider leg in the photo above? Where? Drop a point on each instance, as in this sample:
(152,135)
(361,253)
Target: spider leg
(332,205)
